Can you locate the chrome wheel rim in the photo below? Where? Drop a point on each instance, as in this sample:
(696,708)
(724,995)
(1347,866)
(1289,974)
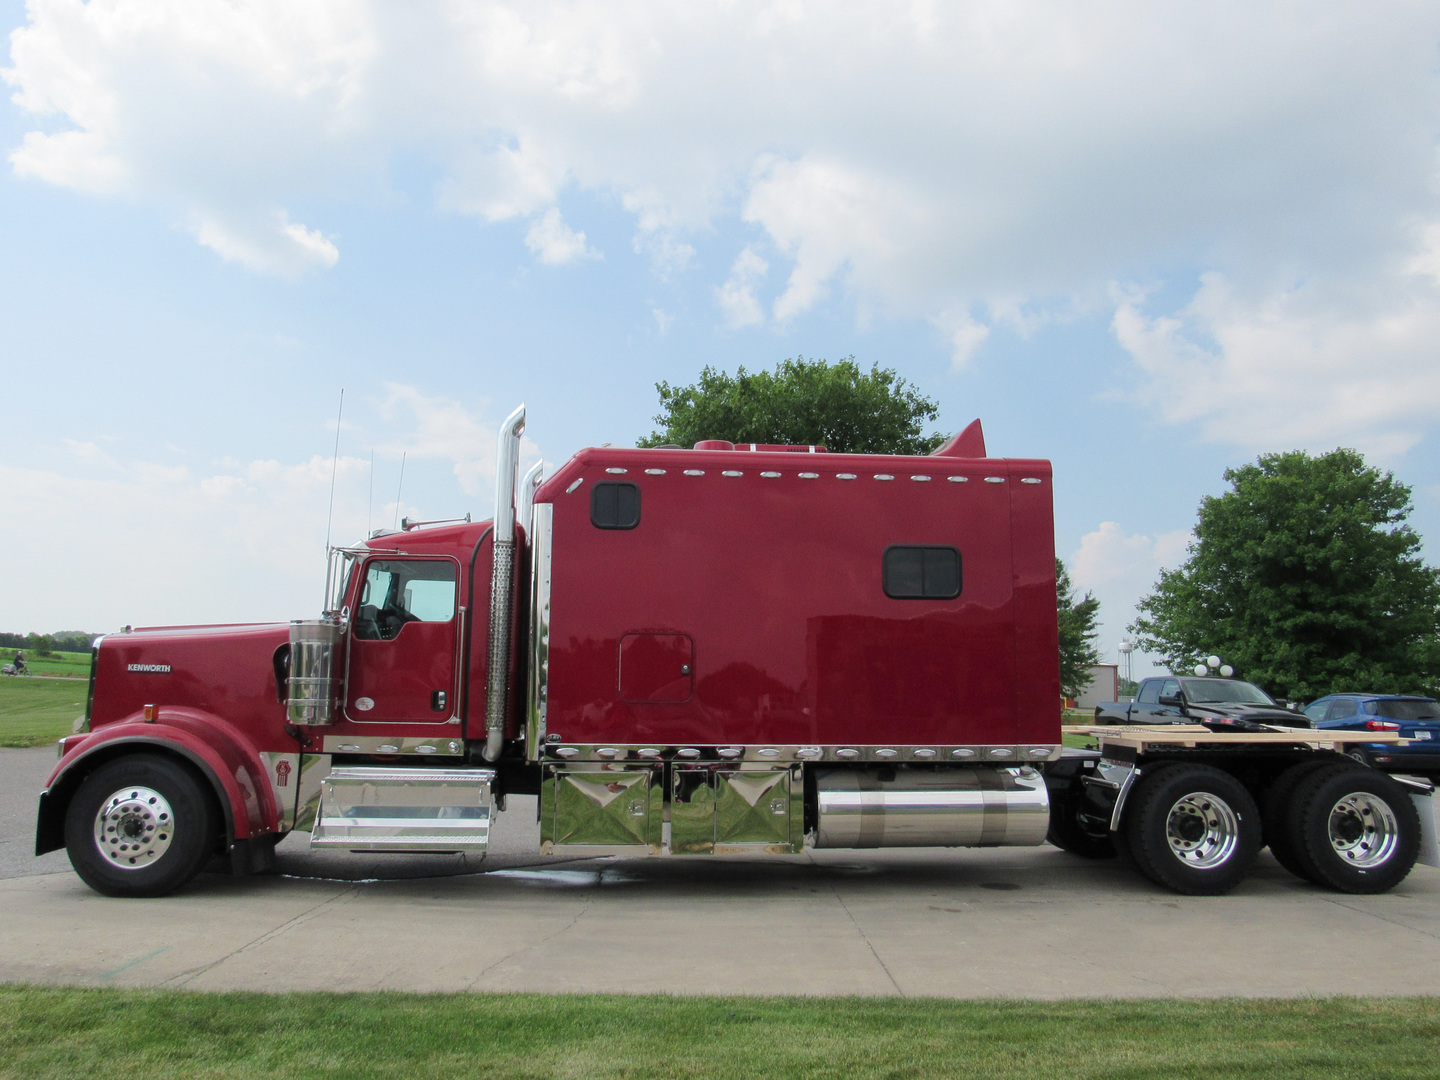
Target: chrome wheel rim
(1202,830)
(1363,829)
(134,828)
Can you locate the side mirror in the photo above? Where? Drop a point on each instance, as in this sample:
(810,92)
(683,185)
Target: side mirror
(1175,700)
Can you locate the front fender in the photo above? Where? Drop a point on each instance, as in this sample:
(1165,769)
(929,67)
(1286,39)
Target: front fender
(220,752)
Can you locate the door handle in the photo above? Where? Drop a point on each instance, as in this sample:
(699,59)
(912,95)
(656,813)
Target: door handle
(438,701)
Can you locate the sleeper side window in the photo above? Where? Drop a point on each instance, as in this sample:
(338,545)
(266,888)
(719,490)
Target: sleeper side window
(921,573)
(615,506)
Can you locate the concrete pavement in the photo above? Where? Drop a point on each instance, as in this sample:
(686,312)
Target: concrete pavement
(1034,923)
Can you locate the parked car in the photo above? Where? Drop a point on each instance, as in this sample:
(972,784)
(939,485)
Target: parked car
(1184,699)
(1415,718)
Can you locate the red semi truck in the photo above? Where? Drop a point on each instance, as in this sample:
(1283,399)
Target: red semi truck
(717,650)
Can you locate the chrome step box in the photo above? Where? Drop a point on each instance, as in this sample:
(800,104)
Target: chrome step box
(369,808)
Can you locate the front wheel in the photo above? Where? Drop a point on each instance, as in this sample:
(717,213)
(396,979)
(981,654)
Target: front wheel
(1354,830)
(1193,829)
(141,825)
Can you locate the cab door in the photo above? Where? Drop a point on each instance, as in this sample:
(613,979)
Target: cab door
(405,643)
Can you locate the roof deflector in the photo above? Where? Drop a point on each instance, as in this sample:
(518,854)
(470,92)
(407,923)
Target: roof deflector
(970,443)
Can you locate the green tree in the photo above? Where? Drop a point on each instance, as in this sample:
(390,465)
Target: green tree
(837,406)
(1305,577)
(1078,653)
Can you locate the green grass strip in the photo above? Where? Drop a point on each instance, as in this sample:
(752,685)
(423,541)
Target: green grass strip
(136,1034)
(36,711)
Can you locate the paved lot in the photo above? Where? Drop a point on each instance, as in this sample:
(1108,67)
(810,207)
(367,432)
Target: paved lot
(1009,922)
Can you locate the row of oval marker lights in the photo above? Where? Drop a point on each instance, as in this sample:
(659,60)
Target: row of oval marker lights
(616,470)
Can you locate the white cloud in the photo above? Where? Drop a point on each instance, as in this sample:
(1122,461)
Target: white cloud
(446,430)
(1311,367)
(1000,156)
(555,243)
(1121,568)
(737,296)
(965,335)
(273,244)
(150,542)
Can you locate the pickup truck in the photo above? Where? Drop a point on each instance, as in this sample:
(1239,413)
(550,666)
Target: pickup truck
(1184,699)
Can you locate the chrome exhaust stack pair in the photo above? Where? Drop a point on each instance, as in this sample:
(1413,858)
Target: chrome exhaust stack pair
(502,574)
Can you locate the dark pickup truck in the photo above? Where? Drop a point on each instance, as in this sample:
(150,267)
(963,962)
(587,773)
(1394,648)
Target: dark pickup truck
(1189,699)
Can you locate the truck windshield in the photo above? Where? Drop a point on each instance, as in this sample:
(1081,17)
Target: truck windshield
(1202,691)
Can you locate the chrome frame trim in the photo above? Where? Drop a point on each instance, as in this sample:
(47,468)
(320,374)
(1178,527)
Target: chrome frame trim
(426,745)
(571,753)
(529,484)
(540,566)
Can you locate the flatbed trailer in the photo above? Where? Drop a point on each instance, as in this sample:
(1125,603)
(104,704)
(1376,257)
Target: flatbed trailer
(1191,807)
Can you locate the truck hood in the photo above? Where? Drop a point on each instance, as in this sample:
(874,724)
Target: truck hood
(228,670)
(1268,715)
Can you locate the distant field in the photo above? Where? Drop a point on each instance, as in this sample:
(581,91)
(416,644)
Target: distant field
(37,711)
(74,664)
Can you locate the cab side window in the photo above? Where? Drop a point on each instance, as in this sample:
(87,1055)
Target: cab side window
(399,591)
(1149,693)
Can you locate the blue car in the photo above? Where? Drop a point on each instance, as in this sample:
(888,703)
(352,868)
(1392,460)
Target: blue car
(1416,718)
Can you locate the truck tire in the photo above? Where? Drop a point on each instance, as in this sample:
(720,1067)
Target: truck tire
(1069,833)
(141,825)
(1193,829)
(1353,830)
(1275,804)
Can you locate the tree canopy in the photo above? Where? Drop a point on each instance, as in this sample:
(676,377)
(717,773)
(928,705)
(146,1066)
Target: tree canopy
(802,402)
(1078,652)
(1304,577)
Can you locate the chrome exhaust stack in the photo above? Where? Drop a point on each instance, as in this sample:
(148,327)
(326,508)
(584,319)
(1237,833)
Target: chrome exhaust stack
(502,582)
(528,487)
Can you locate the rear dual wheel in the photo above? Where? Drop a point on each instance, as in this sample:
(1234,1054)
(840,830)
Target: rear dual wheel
(1193,829)
(1354,830)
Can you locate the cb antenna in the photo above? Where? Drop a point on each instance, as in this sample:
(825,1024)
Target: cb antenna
(370,498)
(334,468)
(399,489)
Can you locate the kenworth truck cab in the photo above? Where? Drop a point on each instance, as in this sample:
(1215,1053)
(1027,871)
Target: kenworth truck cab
(730,649)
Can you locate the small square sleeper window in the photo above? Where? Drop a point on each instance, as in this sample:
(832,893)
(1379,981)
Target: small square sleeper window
(922,573)
(615,506)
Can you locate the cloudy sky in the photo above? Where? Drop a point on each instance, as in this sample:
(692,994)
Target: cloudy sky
(1145,241)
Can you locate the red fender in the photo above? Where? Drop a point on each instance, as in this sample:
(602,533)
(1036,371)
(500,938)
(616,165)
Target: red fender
(208,742)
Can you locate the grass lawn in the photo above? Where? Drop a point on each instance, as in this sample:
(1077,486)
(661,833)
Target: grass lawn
(36,711)
(74,664)
(47,1032)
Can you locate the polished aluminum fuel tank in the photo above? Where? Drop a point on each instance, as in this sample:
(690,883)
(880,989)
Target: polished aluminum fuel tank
(978,806)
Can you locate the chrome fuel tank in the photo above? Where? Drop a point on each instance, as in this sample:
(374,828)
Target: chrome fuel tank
(964,807)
